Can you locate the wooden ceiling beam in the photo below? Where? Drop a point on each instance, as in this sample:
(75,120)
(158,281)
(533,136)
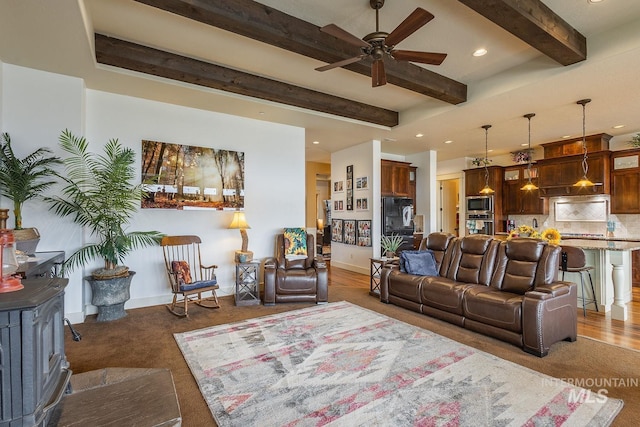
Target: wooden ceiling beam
(265,24)
(534,23)
(135,57)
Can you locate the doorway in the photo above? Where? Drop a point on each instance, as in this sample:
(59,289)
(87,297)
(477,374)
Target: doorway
(449,209)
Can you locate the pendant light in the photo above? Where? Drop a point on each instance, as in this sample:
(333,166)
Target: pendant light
(584,181)
(529,186)
(486,190)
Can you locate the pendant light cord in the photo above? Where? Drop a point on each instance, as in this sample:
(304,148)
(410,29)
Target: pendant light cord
(585,165)
(486,155)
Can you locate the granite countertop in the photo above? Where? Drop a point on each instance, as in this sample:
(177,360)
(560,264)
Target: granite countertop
(589,237)
(612,245)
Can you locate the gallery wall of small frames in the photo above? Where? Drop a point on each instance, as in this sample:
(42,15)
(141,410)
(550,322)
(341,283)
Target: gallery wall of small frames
(351,231)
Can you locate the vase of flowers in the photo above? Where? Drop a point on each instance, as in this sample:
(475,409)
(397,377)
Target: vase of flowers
(550,235)
(523,156)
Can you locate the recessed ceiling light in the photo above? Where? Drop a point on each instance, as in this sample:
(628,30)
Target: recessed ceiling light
(448,141)
(618,126)
(490,150)
(316,142)
(595,1)
(261,113)
(480,52)
(524,145)
(566,136)
(390,140)
(419,135)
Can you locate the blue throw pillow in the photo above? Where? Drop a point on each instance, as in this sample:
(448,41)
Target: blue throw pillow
(420,263)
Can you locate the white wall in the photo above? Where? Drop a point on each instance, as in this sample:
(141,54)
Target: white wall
(426,190)
(37,106)
(365,159)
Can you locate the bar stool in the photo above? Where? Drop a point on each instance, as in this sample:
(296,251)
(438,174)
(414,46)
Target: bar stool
(573,260)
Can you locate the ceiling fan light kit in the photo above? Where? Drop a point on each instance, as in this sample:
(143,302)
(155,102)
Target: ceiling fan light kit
(379,44)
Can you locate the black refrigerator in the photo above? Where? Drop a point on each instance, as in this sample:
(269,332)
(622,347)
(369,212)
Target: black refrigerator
(397,218)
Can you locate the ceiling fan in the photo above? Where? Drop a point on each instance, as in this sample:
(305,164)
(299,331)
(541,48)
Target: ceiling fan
(379,44)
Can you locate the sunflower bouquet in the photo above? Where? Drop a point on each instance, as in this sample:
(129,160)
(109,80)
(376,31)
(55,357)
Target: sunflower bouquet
(551,235)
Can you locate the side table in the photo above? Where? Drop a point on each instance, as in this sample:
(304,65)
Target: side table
(377,264)
(248,283)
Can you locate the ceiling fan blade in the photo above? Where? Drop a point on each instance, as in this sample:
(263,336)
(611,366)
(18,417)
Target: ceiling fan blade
(340,63)
(378,75)
(341,34)
(421,57)
(411,24)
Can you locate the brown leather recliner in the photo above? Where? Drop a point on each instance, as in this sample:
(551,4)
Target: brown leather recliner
(301,280)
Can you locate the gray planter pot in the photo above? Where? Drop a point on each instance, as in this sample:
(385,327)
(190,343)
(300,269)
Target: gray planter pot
(110,295)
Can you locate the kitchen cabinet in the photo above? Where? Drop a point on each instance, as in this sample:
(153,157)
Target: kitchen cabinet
(557,175)
(516,201)
(635,268)
(625,182)
(474,180)
(573,146)
(395,178)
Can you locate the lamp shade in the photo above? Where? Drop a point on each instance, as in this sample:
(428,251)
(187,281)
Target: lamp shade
(239,221)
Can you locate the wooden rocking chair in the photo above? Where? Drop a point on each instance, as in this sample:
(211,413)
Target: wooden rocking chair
(189,279)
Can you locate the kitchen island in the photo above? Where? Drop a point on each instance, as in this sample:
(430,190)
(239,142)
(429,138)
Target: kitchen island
(612,277)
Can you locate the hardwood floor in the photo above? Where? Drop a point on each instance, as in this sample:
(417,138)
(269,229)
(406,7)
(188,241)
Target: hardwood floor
(599,326)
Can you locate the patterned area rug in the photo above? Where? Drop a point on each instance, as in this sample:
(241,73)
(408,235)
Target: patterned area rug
(343,365)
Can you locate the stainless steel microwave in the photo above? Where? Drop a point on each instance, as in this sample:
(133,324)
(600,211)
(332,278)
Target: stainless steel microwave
(479,203)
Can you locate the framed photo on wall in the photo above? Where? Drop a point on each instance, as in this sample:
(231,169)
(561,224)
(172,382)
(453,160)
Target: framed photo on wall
(362,183)
(362,204)
(349,231)
(350,187)
(338,186)
(336,230)
(364,232)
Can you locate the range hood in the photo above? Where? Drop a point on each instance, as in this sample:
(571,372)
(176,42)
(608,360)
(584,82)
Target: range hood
(562,167)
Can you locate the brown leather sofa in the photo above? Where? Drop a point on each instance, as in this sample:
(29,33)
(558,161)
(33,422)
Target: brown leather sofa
(508,290)
(301,280)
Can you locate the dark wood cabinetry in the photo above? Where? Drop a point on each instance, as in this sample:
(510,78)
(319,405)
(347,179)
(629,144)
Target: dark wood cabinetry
(625,182)
(635,268)
(557,175)
(573,146)
(516,201)
(394,180)
(474,180)
(413,170)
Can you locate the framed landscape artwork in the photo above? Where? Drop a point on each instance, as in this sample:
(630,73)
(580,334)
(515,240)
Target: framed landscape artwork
(186,177)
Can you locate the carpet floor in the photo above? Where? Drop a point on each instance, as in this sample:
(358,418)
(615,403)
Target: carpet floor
(145,339)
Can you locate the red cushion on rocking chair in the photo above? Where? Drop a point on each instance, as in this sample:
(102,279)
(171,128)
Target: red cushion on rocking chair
(182,271)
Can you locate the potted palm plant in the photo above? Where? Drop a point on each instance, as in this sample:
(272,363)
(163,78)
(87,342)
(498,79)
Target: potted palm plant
(25,179)
(98,194)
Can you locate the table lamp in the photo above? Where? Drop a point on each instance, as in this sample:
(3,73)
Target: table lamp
(240,222)
(8,263)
